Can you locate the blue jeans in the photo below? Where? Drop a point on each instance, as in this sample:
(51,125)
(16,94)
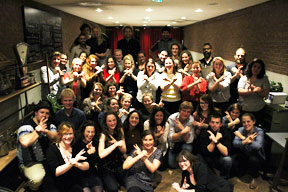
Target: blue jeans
(172,153)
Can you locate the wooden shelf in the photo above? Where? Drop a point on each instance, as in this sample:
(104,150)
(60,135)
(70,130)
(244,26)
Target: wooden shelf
(4,161)
(18,92)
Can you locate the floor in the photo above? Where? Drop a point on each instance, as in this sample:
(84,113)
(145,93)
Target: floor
(240,185)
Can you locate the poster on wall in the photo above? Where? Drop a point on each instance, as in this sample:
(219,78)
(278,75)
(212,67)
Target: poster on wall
(42,32)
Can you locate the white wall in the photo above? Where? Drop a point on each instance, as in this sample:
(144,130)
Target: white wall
(271,75)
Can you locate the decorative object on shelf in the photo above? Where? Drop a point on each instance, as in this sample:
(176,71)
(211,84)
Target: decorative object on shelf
(276,87)
(22,79)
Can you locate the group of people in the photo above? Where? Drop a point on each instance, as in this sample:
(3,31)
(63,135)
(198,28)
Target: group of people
(122,120)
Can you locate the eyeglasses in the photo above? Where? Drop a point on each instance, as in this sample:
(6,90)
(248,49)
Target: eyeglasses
(203,103)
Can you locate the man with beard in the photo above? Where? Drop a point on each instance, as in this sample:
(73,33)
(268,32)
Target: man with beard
(119,58)
(237,70)
(77,49)
(207,60)
(162,56)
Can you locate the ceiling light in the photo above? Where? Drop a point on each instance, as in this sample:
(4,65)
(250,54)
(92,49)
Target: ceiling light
(110,18)
(198,10)
(174,22)
(168,25)
(148,9)
(158,1)
(116,21)
(145,22)
(146,17)
(144,25)
(98,10)
(183,17)
(121,25)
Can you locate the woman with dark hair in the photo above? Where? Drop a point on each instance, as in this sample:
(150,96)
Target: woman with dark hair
(253,88)
(83,56)
(133,128)
(185,63)
(110,150)
(147,81)
(87,141)
(251,155)
(111,71)
(170,82)
(175,50)
(202,113)
(218,82)
(65,165)
(111,104)
(92,73)
(142,163)
(196,176)
(232,120)
(158,124)
(111,89)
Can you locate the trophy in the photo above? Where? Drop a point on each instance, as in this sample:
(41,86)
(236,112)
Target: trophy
(22,78)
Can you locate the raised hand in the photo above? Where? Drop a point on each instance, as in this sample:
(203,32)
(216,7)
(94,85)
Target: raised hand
(42,125)
(113,140)
(79,156)
(176,186)
(212,137)
(218,136)
(91,148)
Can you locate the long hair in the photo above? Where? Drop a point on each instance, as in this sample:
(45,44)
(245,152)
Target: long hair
(108,85)
(91,95)
(139,126)
(249,69)
(207,99)
(213,63)
(130,58)
(88,60)
(83,128)
(115,63)
(174,67)
(152,62)
(117,131)
(182,65)
(188,156)
(152,121)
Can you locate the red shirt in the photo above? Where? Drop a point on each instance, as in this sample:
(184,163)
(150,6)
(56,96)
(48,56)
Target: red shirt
(195,92)
(116,76)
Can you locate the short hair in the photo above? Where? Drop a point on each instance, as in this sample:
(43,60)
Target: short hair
(63,128)
(147,132)
(54,54)
(82,53)
(174,68)
(189,156)
(240,48)
(197,63)
(179,46)
(85,25)
(75,60)
(108,102)
(208,45)
(250,65)
(81,34)
(147,94)
(42,105)
(186,105)
(117,50)
(126,95)
(163,49)
(88,60)
(143,52)
(127,27)
(166,28)
(253,118)
(215,115)
(67,93)
(218,59)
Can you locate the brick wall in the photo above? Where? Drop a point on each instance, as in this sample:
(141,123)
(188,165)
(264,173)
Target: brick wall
(262,30)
